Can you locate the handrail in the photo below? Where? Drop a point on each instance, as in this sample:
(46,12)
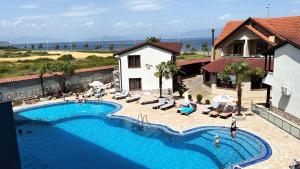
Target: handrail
(143,118)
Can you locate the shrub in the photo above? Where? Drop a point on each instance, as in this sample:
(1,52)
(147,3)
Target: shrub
(92,57)
(207,101)
(199,98)
(67,57)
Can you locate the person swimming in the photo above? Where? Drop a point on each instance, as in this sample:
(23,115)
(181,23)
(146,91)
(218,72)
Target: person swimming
(20,131)
(233,129)
(77,98)
(217,141)
(83,99)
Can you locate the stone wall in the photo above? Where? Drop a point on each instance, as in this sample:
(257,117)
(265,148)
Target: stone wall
(25,89)
(286,115)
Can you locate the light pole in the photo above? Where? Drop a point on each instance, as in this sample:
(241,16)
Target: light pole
(268,9)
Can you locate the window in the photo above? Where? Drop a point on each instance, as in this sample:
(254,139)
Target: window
(229,82)
(134,61)
(261,47)
(135,84)
(238,48)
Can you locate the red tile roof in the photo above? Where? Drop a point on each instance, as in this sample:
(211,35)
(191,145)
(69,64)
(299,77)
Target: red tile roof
(285,28)
(190,62)
(35,76)
(259,34)
(219,65)
(173,47)
(228,28)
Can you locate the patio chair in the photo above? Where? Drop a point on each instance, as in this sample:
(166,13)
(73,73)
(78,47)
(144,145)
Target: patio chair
(170,104)
(123,96)
(100,93)
(133,98)
(90,92)
(161,101)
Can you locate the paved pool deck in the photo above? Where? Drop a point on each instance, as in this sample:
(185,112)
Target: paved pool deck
(284,146)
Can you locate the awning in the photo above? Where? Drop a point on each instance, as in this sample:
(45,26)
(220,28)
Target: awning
(269,79)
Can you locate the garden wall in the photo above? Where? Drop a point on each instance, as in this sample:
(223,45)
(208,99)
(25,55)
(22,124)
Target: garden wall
(27,89)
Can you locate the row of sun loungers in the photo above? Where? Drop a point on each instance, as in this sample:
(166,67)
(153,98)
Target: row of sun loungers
(164,104)
(220,111)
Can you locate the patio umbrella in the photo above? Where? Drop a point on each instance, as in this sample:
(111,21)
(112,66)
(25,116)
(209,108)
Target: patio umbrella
(223,99)
(96,84)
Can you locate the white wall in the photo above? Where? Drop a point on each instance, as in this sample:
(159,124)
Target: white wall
(287,73)
(151,56)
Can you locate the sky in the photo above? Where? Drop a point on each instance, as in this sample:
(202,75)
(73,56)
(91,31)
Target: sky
(84,19)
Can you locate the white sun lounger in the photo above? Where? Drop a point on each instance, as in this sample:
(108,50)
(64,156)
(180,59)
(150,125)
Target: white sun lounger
(161,101)
(133,98)
(122,96)
(171,103)
(119,94)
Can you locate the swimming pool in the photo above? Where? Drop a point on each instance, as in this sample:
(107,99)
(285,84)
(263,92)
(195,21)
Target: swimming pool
(89,136)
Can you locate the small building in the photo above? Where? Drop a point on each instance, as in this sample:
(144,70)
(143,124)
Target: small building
(137,65)
(246,40)
(285,79)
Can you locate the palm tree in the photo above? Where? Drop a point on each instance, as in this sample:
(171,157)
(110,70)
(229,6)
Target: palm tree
(98,46)
(67,70)
(187,46)
(205,47)
(40,46)
(153,39)
(86,46)
(242,71)
(111,47)
(165,70)
(74,45)
(42,69)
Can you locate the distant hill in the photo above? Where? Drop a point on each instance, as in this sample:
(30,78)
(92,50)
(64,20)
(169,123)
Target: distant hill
(200,33)
(4,43)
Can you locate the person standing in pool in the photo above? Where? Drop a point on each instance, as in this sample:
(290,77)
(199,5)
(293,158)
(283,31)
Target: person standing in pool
(217,141)
(233,129)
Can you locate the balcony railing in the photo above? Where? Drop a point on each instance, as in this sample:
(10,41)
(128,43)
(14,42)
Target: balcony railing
(241,55)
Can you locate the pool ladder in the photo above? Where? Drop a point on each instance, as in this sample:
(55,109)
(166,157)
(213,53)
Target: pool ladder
(143,118)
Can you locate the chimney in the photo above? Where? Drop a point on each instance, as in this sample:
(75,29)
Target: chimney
(213,44)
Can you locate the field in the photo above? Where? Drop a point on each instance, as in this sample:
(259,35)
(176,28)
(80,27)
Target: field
(18,55)
(24,62)
(190,56)
(19,63)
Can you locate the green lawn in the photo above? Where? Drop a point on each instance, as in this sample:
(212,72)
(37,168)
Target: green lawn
(27,67)
(190,56)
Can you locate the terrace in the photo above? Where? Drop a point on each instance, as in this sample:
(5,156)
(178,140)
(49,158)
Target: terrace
(282,153)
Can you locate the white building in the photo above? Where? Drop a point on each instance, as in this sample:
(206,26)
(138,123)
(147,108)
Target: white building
(285,80)
(137,65)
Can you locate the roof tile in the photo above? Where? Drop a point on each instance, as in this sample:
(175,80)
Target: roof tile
(219,65)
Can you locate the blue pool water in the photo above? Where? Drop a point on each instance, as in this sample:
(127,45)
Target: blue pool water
(81,136)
